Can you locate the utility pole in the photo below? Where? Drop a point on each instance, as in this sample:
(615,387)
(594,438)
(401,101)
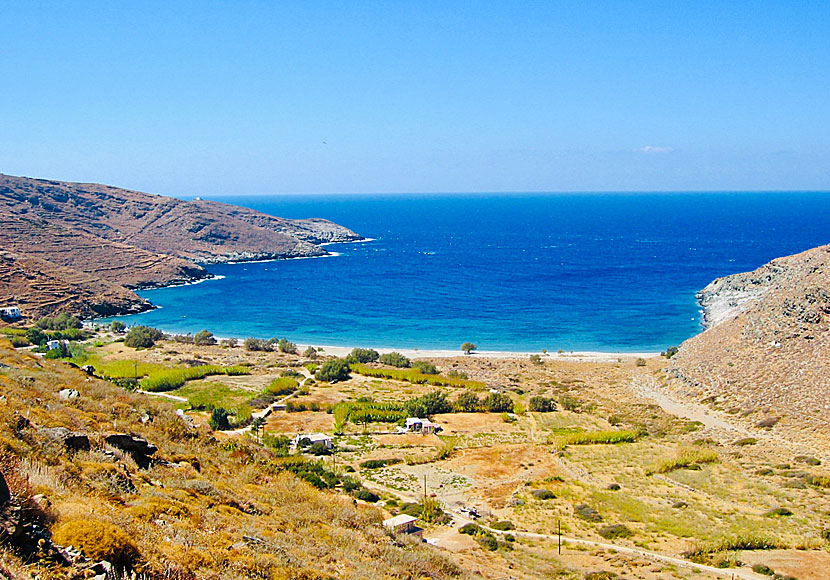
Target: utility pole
(559,535)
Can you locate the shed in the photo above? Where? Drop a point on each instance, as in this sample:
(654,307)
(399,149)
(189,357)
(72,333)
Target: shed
(423,426)
(402,524)
(10,313)
(314,438)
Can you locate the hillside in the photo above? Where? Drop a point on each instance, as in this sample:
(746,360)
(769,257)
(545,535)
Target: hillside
(765,352)
(128,239)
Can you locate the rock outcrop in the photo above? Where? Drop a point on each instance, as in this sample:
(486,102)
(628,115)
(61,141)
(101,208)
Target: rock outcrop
(767,346)
(82,248)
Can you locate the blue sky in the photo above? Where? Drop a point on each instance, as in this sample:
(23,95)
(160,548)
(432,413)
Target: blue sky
(224,98)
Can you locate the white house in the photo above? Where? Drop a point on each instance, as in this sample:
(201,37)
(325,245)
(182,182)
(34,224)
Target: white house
(313,438)
(54,344)
(423,426)
(10,313)
(402,524)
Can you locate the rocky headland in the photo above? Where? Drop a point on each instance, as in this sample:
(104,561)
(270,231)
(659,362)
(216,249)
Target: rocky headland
(764,355)
(83,248)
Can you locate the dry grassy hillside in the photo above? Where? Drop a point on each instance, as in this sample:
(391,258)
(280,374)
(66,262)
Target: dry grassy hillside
(201,509)
(767,354)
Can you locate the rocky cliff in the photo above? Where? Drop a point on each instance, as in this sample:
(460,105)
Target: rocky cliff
(766,351)
(94,243)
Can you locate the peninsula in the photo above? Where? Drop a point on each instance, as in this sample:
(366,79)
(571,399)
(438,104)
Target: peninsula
(84,248)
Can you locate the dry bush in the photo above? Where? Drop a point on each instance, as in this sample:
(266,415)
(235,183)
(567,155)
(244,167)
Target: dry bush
(98,540)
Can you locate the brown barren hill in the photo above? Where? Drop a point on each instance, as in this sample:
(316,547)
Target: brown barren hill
(766,353)
(129,239)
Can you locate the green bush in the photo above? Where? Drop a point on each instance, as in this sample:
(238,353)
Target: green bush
(219,419)
(467,402)
(430,404)
(282,386)
(366,495)
(257,345)
(333,370)
(424,367)
(378,463)
(394,359)
(204,338)
(415,375)
(614,531)
(362,355)
(118,326)
(286,346)
(142,337)
(62,321)
(588,513)
(543,494)
(470,529)
(602,437)
(498,403)
(310,352)
(541,404)
(503,526)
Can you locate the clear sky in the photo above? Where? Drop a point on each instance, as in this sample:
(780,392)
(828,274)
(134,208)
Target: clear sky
(222,98)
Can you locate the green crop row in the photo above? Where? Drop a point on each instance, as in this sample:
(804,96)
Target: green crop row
(415,376)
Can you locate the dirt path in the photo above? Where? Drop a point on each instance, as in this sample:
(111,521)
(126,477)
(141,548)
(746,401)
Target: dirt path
(460,520)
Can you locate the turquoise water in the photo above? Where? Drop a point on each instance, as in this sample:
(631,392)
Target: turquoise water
(615,272)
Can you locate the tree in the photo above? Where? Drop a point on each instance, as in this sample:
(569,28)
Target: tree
(362,355)
(142,337)
(36,336)
(118,326)
(257,425)
(286,346)
(430,404)
(498,403)
(204,338)
(395,359)
(333,370)
(257,344)
(319,448)
(467,402)
(219,420)
(468,347)
(310,352)
(62,321)
(542,404)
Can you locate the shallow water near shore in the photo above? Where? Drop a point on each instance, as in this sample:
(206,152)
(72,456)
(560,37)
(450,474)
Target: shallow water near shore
(520,272)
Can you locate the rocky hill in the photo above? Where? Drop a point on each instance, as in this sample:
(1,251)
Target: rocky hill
(765,352)
(116,240)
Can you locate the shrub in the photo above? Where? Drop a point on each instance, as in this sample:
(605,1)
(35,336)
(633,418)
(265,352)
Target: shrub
(730,544)
(536,359)
(366,495)
(470,529)
(819,480)
(204,338)
(62,321)
(257,344)
(281,386)
(670,352)
(640,362)
(430,404)
(543,494)
(688,458)
(98,540)
(467,402)
(746,441)
(142,337)
(588,513)
(395,359)
(780,511)
(286,346)
(378,463)
(542,405)
(362,355)
(768,423)
(425,367)
(763,569)
(219,419)
(498,403)
(602,437)
(503,526)
(808,460)
(488,541)
(570,403)
(118,326)
(601,575)
(333,370)
(614,531)
(310,352)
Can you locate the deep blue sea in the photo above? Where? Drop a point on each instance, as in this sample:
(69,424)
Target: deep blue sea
(519,272)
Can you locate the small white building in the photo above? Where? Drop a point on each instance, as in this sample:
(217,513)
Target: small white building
(402,524)
(10,313)
(312,439)
(423,426)
(54,344)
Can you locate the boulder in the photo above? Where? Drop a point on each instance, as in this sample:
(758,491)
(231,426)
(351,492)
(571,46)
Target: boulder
(137,447)
(68,394)
(73,441)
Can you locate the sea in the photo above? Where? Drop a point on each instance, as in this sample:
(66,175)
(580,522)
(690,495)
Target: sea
(615,272)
